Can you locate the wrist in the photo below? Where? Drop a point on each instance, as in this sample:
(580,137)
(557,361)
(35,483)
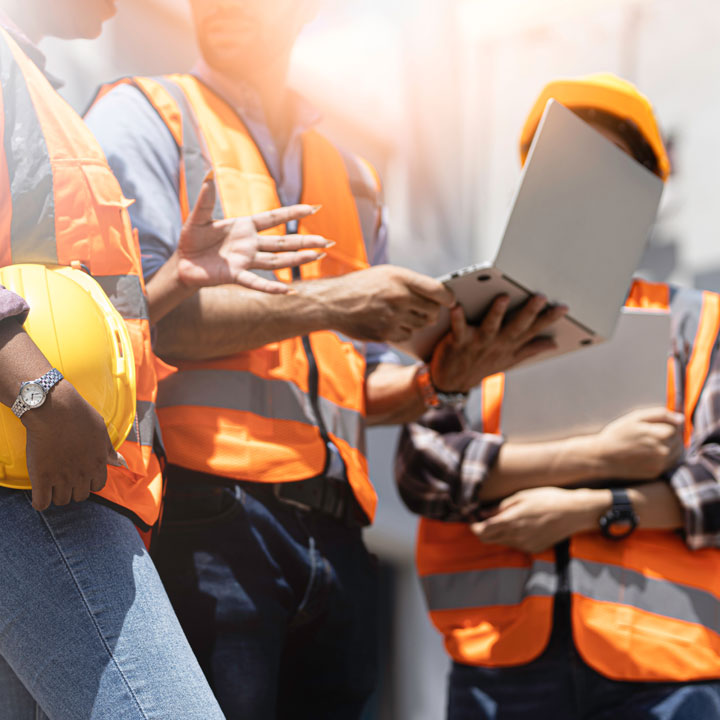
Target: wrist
(59,397)
(592,505)
(322,306)
(599,464)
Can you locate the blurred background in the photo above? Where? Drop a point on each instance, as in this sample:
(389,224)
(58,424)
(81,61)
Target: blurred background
(434,92)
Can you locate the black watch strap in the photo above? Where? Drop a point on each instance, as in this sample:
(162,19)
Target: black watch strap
(620,520)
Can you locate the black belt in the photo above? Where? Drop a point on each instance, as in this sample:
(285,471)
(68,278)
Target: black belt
(327,496)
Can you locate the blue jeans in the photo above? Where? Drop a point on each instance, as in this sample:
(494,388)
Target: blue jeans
(86,629)
(559,685)
(279,604)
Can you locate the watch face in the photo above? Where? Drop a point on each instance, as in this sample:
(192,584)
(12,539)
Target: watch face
(32,395)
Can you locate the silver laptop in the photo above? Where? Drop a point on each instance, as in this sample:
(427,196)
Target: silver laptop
(584,391)
(577,229)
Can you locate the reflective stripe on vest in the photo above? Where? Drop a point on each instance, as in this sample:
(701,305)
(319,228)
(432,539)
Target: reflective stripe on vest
(67,208)
(644,609)
(487,588)
(620,585)
(254,416)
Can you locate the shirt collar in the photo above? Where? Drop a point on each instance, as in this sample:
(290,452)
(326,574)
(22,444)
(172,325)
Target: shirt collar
(29,48)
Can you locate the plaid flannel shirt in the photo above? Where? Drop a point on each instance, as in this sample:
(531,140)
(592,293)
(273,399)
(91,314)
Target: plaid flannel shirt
(442,462)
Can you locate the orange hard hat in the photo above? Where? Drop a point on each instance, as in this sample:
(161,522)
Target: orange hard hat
(605,92)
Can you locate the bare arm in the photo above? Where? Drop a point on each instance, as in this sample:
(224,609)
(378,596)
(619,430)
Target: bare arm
(67,443)
(381,303)
(447,470)
(535,520)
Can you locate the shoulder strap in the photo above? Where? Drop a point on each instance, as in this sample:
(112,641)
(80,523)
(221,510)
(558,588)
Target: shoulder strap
(169,101)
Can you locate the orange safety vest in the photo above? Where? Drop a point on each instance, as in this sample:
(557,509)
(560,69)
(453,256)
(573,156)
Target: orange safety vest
(643,609)
(61,205)
(268,415)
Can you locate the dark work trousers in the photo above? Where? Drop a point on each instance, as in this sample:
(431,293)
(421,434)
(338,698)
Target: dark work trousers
(559,685)
(279,604)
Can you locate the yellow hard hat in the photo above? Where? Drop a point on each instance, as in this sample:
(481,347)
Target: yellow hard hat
(605,92)
(81,334)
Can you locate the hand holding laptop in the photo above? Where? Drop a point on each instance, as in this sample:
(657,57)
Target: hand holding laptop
(467,354)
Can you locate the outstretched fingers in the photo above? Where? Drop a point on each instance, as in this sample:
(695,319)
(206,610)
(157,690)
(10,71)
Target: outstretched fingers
(250,280)
(276,261)
(278,243)
(202,213)
(281,216)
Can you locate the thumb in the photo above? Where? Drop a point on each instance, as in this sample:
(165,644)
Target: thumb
(202,212)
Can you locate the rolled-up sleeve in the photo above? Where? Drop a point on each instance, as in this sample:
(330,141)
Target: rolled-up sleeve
(12,306)
(441,465)
(697,480)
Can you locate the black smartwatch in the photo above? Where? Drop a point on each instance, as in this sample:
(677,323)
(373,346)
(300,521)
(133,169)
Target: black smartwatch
(620,520)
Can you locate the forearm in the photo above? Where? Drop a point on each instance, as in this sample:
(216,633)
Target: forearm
(562,463)
(219,321)
(165,291)
(655,504)
(392,396)
(20,360)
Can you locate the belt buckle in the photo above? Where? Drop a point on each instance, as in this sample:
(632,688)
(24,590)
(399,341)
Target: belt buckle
(277,492)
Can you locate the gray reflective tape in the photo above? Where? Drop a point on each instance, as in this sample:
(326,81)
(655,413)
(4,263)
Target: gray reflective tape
(367,198)
(126,294)
(196,157)
(686,308)
(359,345)
(488,588)
(272,399)
(143,429)
(32,226)
(620,585)
(348,425)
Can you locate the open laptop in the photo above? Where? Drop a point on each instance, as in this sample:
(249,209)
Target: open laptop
(582,392)
(577,229)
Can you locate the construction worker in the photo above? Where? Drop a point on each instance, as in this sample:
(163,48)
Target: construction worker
(86,629)
(263,401)
(552,603)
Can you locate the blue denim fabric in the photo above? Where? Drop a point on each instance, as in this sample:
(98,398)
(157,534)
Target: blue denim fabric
(278,604)
(85,623)
(559,685)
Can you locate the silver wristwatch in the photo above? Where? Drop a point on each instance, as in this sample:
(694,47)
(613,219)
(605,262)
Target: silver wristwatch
(34,392)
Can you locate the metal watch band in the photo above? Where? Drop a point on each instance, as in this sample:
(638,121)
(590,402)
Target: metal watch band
(46,382)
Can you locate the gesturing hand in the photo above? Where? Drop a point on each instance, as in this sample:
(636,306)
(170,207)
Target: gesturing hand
(223,252)
(468,354)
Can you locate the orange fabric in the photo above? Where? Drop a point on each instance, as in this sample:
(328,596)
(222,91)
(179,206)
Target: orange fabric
(92,227)
(204,440)
(493,389)
(494,636)
(699,363)
(239,444)
(497,636)
(618,639)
